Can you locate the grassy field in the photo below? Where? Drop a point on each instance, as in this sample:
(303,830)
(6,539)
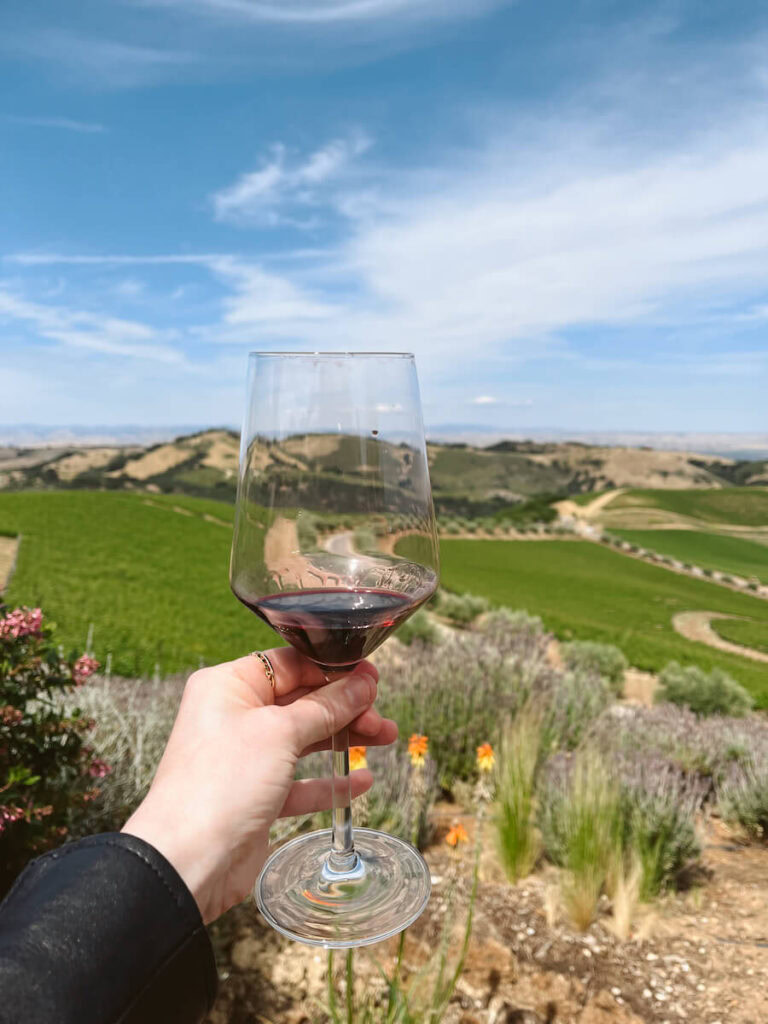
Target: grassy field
(708,550)
(744,632)
(741,506)
(153,582)
(586,591)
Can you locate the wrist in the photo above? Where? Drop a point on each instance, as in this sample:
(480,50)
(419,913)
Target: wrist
(195,858)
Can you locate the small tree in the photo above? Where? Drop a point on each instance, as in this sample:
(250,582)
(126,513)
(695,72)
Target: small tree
(47,771)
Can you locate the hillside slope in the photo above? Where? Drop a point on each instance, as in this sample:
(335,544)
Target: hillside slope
(465,479)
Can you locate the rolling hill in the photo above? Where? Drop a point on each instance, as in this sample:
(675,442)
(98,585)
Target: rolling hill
(467,480)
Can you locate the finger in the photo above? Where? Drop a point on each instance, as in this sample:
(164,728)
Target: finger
(327,709)
(387,734)
(292,671)
(310,795)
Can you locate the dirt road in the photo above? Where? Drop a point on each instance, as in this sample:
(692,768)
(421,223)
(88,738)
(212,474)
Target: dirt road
(696,626)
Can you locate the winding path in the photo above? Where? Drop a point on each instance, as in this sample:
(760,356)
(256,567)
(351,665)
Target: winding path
(696,626)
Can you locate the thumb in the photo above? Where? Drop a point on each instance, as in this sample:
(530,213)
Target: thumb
(318,715)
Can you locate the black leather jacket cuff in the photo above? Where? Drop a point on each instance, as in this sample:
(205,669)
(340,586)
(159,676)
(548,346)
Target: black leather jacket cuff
(103,931)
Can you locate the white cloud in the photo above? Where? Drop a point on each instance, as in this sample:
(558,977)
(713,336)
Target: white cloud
(334,12)
(266,300)
(42,259)
(484,400)
(99,333)
(85,127)
(129,288)
(101,60)
(263,195)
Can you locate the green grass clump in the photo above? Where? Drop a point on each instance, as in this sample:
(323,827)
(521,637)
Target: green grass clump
(588,591)
(744,632)
(519,757)
(705,693)
(742,506)
(152,582)
(581,821)
(605,660)
(708,550)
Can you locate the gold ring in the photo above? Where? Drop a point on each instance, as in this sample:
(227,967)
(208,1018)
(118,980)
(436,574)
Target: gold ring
(268,670)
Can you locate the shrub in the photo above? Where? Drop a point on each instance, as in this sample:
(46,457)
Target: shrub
(421,626)
(48,771)
(705,693)
(660,804)
(520,754)
(459,693)
(133,720)
(604,660)
(598,826)
(506,622)
(452,527)
(306,531)
(743,798)
(703,747)
(461,608)
(364,540)
(574,701)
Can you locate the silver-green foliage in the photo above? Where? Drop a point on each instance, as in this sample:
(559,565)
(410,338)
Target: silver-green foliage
(604,660)
(461,608)
(743,798)
(421,626)
(705,693)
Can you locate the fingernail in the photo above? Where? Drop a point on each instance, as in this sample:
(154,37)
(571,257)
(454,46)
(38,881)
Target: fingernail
(362,688)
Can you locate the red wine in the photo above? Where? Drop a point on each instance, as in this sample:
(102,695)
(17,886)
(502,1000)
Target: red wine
(335,628)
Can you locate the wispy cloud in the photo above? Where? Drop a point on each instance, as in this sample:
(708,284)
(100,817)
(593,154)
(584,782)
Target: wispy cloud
(77,329)
(85,127)
(484,400)
(104,61)
(278,187)
(42,259)
(333,12)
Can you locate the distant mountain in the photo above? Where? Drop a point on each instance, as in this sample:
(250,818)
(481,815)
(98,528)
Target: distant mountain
(466,479)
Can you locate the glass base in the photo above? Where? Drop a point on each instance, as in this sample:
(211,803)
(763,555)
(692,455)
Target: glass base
(386,889)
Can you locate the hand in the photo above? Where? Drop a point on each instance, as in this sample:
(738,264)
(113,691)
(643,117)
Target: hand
(228,769)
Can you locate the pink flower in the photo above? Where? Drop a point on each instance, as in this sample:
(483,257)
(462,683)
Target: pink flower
(83,668)
(9,715)
(10,814)
(21,622)
(98,768)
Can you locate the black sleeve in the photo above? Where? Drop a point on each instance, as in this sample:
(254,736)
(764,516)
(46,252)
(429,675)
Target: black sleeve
(103,931)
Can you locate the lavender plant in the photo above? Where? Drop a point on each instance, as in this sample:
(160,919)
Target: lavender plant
(743,797)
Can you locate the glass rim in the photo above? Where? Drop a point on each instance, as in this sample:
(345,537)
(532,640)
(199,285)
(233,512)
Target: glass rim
(328,355)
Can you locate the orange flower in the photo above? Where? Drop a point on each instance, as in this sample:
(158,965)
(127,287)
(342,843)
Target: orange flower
(457,834)
(357,758)
(486,758)
(417,749)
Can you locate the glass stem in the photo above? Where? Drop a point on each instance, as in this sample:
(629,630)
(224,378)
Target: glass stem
(342,857)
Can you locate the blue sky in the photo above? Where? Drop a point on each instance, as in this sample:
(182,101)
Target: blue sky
(562,208)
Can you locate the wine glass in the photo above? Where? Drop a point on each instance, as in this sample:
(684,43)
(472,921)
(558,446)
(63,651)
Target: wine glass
(334,546)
